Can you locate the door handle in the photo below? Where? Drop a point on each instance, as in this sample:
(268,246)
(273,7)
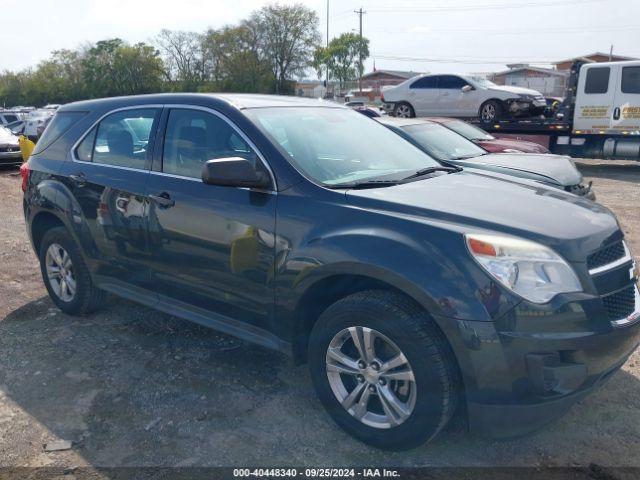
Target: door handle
(163,200)
(616,113)
(79,180)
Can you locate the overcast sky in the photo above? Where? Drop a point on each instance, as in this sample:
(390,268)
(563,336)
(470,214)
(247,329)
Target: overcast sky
(419,35)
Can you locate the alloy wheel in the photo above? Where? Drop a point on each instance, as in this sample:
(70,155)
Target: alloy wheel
(488,112)
(370,377)
(60,272)
(403,111)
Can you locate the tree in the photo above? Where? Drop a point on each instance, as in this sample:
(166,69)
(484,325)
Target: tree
(288,36)
(342,57)
(182,53)
(113,67)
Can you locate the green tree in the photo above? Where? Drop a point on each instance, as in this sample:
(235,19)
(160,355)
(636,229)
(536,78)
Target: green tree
(342,57)
(288,36)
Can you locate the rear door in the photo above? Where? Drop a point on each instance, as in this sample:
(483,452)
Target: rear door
(107,175)
(423,95)
(595,98)
(626,112)
(212,247)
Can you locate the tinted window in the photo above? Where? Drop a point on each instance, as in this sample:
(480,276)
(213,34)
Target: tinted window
(84,151)
(57,126)
(597,80)
(122,139)
(323,144)
(630,79)
(425,82)
(193,137)
(10,118)
(451,82)
(467,131)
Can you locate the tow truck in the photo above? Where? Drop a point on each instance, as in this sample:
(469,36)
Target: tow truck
(598,118)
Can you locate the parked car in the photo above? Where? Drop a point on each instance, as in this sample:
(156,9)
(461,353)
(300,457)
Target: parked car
(461,96)
(17,128)
(36,119)
(410,287)
(486,141)
(7,117)
(448,146)
(9,148)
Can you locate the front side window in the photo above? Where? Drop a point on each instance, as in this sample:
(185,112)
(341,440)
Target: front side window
(597,80)
(425,82)
(334,145)
(122,139)
(443,143)
(630,80)
(451,82)
(195,136)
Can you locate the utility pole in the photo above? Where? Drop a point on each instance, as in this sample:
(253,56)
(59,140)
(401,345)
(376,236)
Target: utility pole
(326,86)
(611,53)
(361,68)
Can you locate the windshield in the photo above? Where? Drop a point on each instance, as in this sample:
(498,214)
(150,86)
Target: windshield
(482,82)
(467,131)
(334,146)
(442,143)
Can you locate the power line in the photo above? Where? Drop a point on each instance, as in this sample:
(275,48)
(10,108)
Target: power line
(467,8)
(520,31)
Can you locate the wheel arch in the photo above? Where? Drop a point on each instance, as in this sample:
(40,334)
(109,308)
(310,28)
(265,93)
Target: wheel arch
(41,223)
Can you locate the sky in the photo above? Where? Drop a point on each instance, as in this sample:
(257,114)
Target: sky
(458,36)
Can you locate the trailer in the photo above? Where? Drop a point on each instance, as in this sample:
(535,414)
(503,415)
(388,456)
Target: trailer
(598,118)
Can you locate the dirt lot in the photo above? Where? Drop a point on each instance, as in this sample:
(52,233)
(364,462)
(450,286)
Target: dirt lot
(131,386)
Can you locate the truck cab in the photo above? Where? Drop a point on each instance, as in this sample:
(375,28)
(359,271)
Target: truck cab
(608,99)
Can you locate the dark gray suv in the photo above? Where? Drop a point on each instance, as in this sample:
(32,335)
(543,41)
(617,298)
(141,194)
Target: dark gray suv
(414,290)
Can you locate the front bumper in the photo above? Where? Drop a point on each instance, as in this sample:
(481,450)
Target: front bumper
(527,368)
(10,158)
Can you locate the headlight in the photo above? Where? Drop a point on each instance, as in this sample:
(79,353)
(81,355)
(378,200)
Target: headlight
(528,269)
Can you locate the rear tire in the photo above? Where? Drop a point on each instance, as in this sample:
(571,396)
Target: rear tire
(65,274)
(405,405)
(490,111)
(403,110)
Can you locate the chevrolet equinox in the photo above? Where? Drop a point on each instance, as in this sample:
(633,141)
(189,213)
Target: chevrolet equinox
(413,289)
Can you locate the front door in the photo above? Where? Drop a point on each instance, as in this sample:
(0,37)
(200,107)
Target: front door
(626,113)
(212,247)
(453,101)
(107,176)
(594,109)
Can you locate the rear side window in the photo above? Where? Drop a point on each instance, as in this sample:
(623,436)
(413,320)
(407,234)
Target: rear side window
(59,124)
(425,82)
(597,80)
(630,80)
(451,82)
(122,139)
(10,118)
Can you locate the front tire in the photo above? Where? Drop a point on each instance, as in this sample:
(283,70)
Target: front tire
(65,274)
(403,110)
(383,370)
(490,111)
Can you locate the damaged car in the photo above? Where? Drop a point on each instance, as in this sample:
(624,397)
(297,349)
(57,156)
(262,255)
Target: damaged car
(448,146)
(462,96)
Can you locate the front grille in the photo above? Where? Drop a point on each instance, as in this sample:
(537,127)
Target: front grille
(621,304)
(9,149)
(605,255)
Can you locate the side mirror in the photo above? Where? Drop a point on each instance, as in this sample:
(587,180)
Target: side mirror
(467,88)
(233,172)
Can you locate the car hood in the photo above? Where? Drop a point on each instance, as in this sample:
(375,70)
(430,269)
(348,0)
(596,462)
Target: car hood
(553,169)
(469,201)
(500,144)
(7,138)
(510,89)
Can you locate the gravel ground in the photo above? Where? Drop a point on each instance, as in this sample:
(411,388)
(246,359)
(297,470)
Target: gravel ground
(129,386)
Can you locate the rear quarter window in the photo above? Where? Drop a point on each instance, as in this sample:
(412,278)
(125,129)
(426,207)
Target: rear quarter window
(597,80)
(59,124)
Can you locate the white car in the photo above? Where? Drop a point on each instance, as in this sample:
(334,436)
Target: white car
(461,96)
(36,119)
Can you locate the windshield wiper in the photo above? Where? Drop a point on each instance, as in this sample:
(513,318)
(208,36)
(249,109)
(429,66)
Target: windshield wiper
(427,171)
(365,184)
